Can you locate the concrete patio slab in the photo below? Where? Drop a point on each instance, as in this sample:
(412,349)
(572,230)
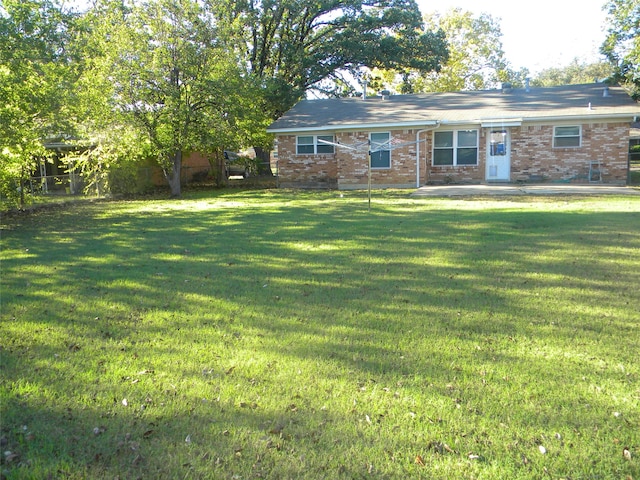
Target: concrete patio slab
(515,189)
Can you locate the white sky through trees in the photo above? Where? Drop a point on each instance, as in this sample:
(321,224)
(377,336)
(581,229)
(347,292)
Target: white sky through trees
(541,34)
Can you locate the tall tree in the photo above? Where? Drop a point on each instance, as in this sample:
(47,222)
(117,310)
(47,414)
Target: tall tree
(169,77)
(622,45)
(575,72)
(476,58)
(292,46)
(36,81)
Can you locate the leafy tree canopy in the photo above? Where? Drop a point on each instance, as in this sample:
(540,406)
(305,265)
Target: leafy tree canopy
(36,78)
(574,73)
(622,45)
(476,59)
(293,46)
(170,78)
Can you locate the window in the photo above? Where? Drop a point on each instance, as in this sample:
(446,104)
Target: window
(305,145)
(567,136)
(324,147)
(310,144)
(459,147)
(380,152)
(498,143)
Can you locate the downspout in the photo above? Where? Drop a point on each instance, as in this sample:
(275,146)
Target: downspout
(418,150)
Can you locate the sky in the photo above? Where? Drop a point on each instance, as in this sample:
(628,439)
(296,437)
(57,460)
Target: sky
(541,34)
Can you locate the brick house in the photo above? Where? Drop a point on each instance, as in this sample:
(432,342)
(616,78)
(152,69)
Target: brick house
(573,133)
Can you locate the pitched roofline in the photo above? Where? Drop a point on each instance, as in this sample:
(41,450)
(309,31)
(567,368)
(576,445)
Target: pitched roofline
(484,122)
(571,103)
(355,126)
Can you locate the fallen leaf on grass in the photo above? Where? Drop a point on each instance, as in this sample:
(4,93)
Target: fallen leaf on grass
(419,460)
(11,457)
(440,447)
(626,453)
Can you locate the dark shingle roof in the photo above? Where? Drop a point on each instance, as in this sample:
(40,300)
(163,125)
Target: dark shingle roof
(457,108)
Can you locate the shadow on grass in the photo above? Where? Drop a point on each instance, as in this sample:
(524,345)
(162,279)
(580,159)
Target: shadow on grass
(265,331)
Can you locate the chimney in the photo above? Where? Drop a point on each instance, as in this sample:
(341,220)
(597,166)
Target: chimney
(527,85)
(506,87)
(385,94)
(364,90)
(605,92)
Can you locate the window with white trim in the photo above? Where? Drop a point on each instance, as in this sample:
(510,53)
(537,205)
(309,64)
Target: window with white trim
(569,136)
(380,151)
(311,144)
(455,147)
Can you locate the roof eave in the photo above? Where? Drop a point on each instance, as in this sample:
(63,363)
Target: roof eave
(627,116)
(354,127)
(485,122)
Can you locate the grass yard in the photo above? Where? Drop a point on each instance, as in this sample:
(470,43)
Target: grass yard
(293,335)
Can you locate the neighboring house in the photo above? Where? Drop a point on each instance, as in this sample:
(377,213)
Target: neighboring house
(573,133)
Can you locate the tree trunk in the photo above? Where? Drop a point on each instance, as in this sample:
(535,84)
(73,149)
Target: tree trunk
(173,175)
(21,187)
(264,164)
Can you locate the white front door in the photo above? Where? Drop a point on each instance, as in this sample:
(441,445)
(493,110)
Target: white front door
(498,155)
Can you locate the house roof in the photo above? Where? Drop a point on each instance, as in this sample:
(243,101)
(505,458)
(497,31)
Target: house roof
(486,107)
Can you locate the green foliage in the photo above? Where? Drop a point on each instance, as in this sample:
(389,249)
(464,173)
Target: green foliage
(575,73)
(296,335)
(171,80)
(295,46)
(476,55)
(476,59)
(622,45)
(114,163)
(35,83)
(182,76)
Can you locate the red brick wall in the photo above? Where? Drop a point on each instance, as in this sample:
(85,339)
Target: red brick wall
(533,154)
(346,168)
(305,171)
(533,158)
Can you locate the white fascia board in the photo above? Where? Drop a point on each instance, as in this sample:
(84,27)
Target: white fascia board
(355,127)
(588,118)
(501,122)
(516,122)
(487,122)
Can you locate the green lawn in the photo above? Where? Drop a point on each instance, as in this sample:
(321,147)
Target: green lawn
(241,335)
